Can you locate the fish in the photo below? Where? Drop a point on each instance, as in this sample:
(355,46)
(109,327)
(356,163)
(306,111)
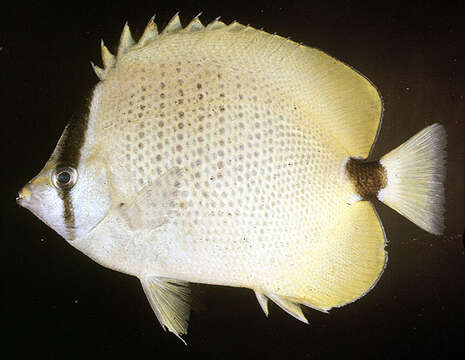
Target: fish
(222,154)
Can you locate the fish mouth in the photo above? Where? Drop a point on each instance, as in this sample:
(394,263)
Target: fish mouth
(23,195)
(19,198)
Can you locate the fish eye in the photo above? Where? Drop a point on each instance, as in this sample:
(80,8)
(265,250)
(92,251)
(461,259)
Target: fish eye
(64,178)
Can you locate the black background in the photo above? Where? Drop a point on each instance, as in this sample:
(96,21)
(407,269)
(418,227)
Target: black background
(57,303)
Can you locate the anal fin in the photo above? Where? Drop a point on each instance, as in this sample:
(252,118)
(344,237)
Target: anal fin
(347,261)
(170,300)
(263,301)
(289,306)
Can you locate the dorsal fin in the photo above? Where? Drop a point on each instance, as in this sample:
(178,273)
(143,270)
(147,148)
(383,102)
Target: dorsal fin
(340,99)
(289,306)
(216,24)
(235,26)
(194,25)
(150,32)
(126,41)
(173,26)
(98,71)
(108,58)
(263,301)
(149,35)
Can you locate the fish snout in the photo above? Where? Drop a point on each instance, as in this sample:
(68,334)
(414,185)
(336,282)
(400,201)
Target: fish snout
(24,195)
(35,186)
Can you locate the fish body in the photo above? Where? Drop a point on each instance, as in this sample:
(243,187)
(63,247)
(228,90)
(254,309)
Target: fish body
(229,156)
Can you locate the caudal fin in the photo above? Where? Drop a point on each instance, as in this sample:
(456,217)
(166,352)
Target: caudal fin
(415,179)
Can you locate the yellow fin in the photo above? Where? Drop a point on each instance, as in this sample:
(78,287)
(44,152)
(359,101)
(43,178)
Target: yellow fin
(170,300)
(289,306)
(352,107)
(263,301)
(341,99)
(415,179)
(346,262)
(345,102)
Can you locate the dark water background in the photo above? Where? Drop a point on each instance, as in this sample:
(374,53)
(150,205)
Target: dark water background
(57,303)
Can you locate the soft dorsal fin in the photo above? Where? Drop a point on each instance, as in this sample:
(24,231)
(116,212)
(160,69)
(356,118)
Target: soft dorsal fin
(170,300)
(333,94)
(352,108)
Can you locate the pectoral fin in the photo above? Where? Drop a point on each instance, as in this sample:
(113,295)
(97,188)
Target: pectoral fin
(170,300)
(156,203)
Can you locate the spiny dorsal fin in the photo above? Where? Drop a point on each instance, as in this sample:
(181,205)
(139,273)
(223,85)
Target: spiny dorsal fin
(173,26)
(150,33)
(263,301)
(126,41)
(194,25)
(289,306)
(98,71)
(235,26)
(216,24)
(108,58)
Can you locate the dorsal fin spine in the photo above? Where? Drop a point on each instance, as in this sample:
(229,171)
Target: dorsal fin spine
(98,71)
(216,24)
(235,26)
(150,32)
(108,59)
(126,41)
(173,26)
(195,24)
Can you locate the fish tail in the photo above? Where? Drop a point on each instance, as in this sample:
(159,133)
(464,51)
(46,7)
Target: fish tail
(415,173)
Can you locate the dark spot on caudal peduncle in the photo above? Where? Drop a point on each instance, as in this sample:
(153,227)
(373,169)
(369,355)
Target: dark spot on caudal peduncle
(368,177)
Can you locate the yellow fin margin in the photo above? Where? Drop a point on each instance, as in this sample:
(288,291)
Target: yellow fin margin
(347,262)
